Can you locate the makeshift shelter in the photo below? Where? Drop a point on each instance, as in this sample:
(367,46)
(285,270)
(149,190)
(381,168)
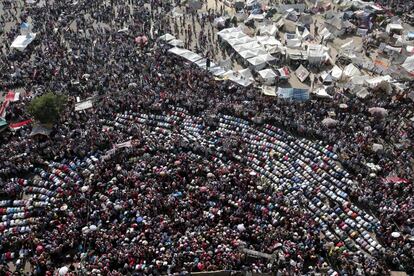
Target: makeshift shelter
(267,76)
(336,73)
(394,28)
(350,71)
(22,41)
(302,73)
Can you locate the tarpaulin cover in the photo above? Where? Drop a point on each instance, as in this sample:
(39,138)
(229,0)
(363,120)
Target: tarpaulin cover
(295,94)
(22,41)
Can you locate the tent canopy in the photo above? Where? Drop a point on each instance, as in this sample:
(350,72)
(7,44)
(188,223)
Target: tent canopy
(167,37)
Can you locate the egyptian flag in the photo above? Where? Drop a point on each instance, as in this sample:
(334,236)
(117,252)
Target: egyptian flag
(16,126)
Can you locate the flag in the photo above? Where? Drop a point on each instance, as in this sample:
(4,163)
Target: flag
(16,126)
(12,96)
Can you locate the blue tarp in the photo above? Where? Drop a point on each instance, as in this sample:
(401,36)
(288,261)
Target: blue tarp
(296,94)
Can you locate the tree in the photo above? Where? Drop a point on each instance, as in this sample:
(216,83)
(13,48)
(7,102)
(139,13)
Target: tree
(46,108)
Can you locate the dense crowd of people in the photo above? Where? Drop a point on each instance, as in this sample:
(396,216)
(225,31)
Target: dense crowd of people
(203,169)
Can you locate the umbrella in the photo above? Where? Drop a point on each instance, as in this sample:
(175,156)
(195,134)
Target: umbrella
(329,122)
(84,189)
(203,189)
(63,270)
(241,227)
(141,40)
(39,249)
(139,219)
(93,227)
(395,234)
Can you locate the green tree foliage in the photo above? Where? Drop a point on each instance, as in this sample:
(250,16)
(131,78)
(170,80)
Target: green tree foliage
(46,108)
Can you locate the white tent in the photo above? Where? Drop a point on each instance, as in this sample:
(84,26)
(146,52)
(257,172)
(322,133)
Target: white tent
(257,63)
(176,43)
(178,51)
(193,57)
(232,35)
(409,64)
(248,54)
(22,41)
(350,71)
(267,57)
(242,40)
(268,40)
(228,31)
(267,76)
(252,53)
(336,73)
(167,37)
(248,46)
(246,74)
